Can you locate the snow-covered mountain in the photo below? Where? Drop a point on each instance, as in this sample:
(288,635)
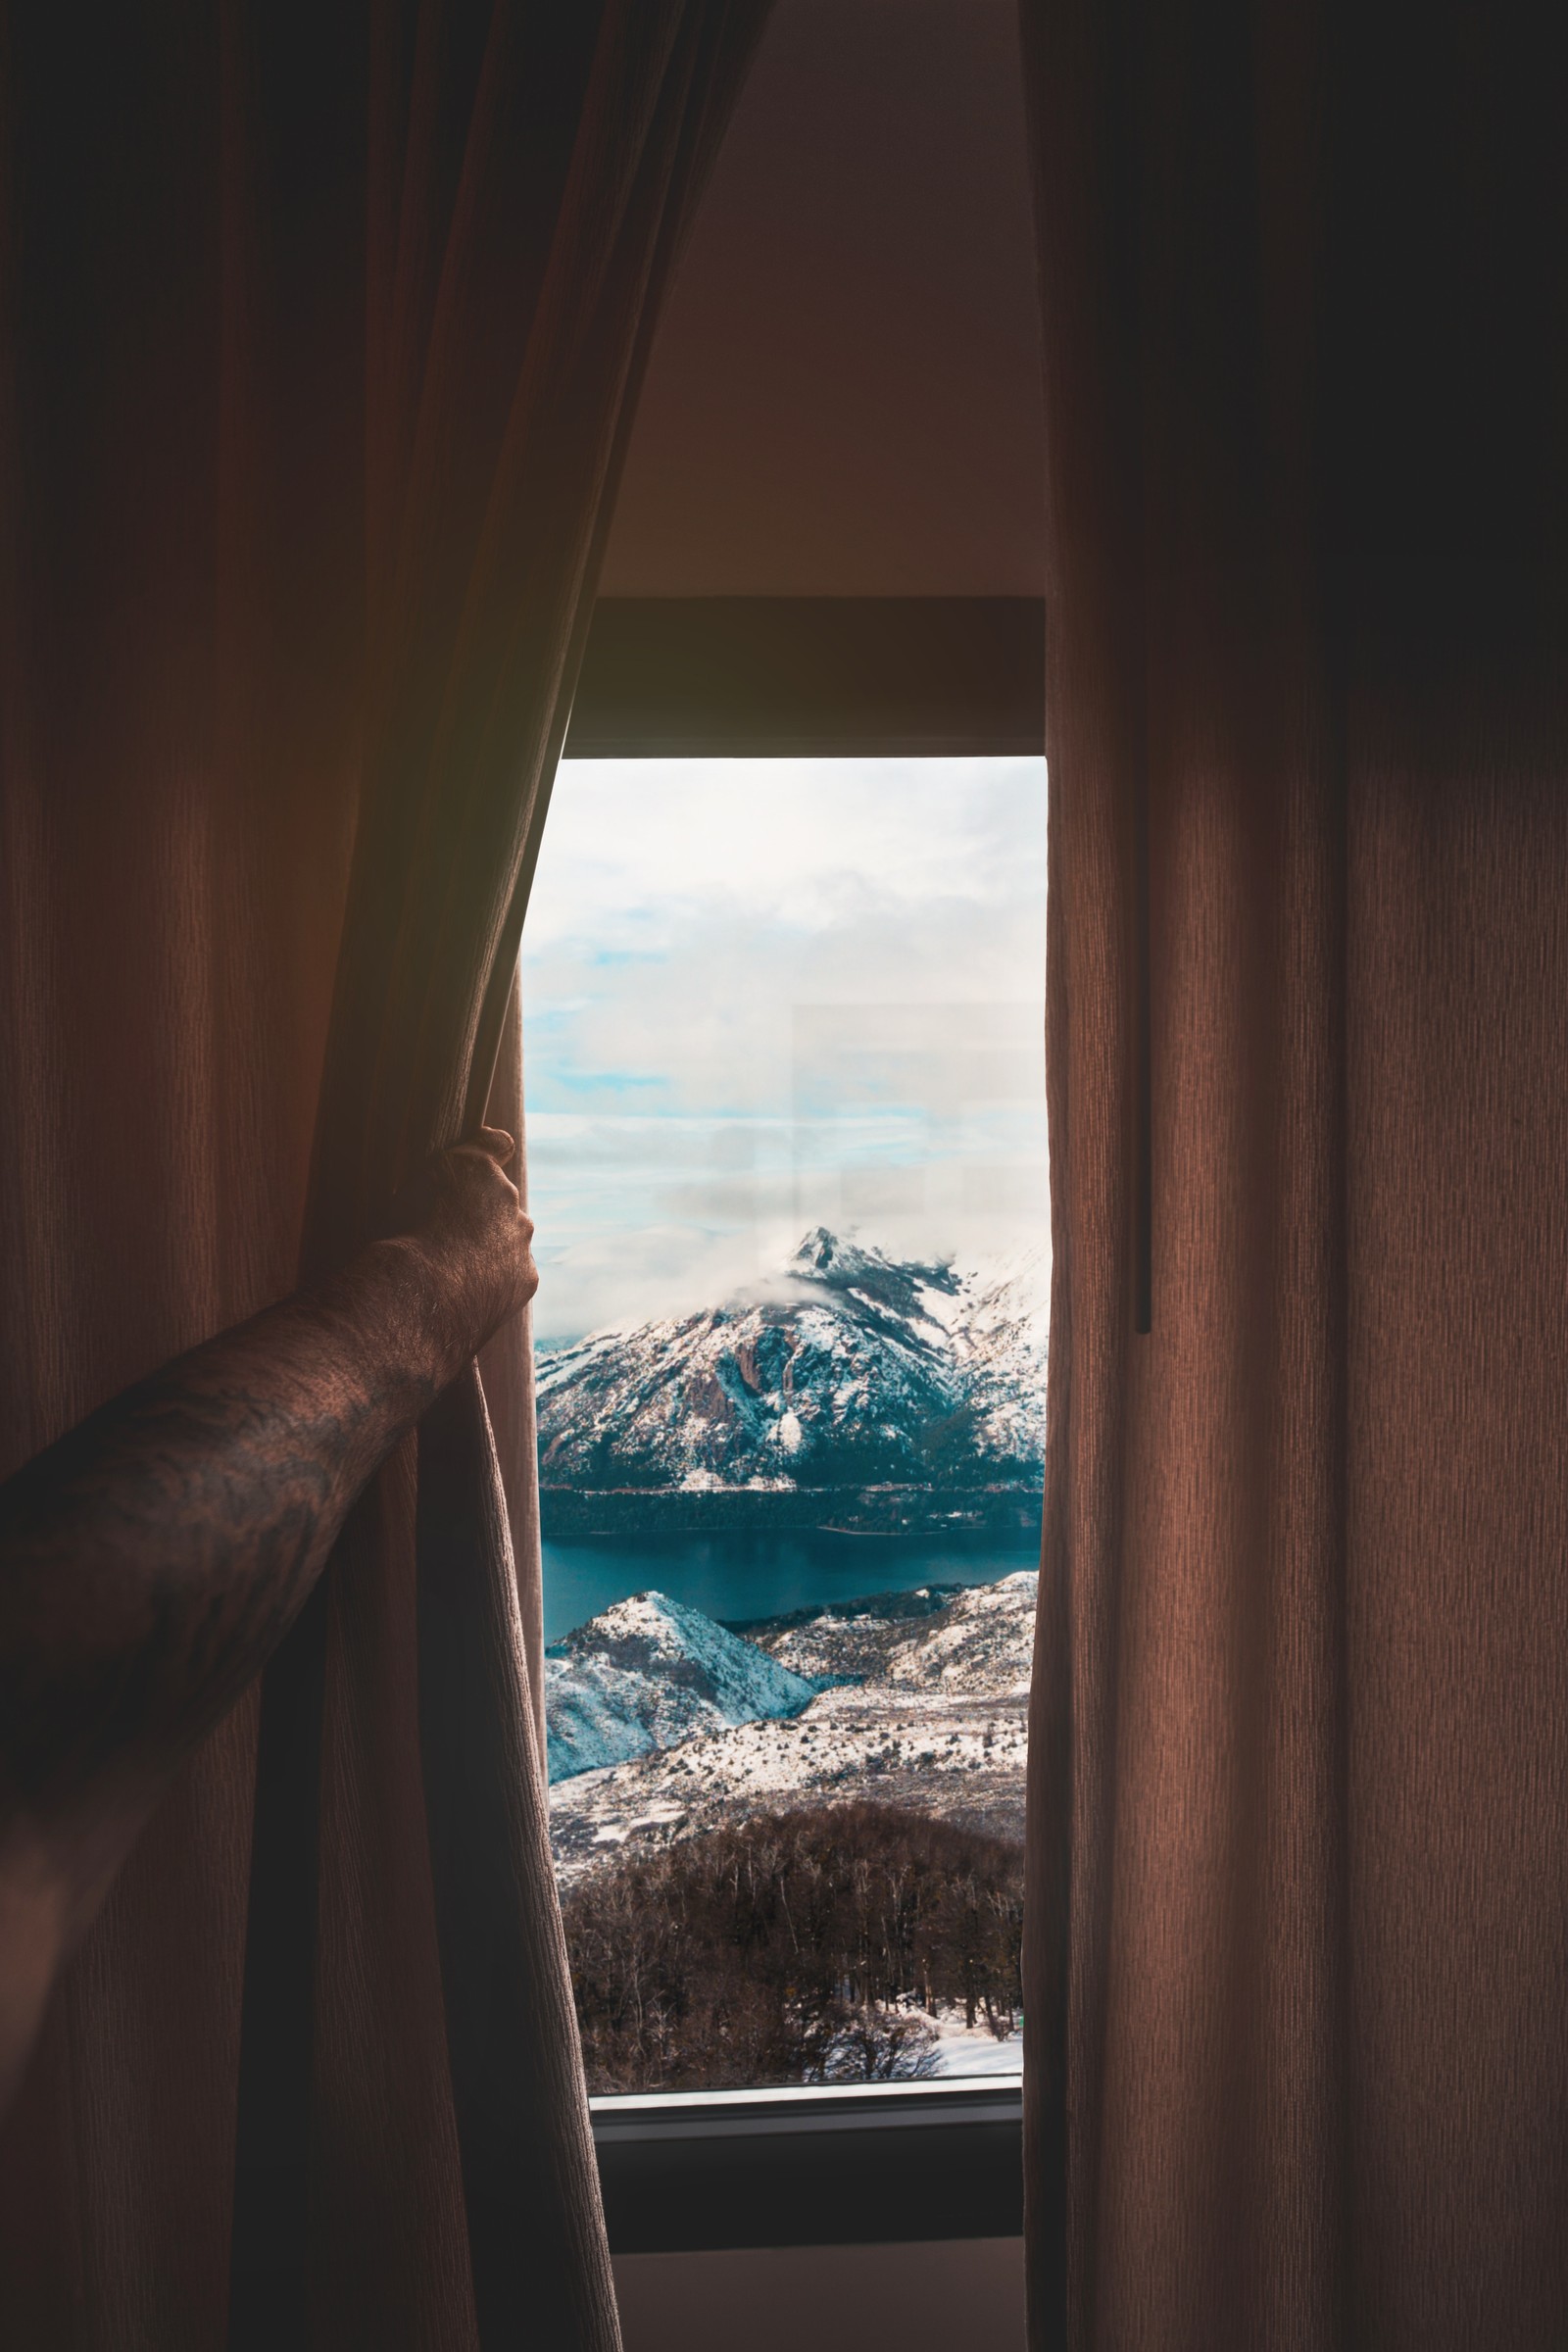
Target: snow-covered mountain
(846,1369)
(649,1673)
(918,1699)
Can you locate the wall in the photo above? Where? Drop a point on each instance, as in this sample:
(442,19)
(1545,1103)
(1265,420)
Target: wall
(957,2296)
(844,398)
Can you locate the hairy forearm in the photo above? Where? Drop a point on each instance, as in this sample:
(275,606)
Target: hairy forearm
(151,1559)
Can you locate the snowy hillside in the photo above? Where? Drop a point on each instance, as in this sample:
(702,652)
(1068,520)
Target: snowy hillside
(846,1369)
(926,1705)
(649,1673)
(976,1641)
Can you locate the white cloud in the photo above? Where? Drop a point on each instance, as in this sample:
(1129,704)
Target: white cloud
(762,995)
(814,842)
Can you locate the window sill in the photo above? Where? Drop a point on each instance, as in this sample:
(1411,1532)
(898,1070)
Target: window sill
(873,2164)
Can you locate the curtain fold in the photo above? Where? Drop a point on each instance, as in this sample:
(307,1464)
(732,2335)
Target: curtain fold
(535,284)
(1297,2051)
(506,1372)
(322,340)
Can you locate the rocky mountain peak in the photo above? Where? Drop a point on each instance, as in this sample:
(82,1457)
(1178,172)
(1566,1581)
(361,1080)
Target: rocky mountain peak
(818,1251)
(844,1265)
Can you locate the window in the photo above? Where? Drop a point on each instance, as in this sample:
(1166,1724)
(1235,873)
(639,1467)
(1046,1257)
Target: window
(787,1162)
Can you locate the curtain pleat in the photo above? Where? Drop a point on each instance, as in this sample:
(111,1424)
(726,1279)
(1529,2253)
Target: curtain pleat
(586,137)
(323,334)
(1297,2051)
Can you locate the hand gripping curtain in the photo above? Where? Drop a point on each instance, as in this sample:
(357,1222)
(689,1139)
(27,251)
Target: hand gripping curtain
(1296,2038)
(321,333)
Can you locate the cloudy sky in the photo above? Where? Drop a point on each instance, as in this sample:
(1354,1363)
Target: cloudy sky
(763,995)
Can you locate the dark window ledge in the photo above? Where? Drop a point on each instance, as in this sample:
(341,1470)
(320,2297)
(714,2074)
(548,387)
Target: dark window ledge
(887,2163)
(816,677)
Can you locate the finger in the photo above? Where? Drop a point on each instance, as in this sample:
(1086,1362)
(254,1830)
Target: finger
(499,1144)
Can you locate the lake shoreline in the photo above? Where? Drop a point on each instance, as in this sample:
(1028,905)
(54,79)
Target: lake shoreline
(1003,1509)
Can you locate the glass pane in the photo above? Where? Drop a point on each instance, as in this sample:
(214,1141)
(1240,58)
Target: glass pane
(787,1163)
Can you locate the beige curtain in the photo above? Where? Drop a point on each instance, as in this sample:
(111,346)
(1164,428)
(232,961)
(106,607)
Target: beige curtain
(321,331)
(1297,2041)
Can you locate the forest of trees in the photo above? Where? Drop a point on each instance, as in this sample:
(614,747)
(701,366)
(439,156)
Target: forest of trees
(800,1947)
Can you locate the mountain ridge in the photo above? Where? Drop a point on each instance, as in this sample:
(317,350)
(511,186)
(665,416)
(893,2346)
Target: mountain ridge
(843,1371)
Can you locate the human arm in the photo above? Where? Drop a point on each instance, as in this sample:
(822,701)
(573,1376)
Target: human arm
(151,1559)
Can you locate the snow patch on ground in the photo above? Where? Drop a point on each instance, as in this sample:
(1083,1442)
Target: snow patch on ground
(962,2049)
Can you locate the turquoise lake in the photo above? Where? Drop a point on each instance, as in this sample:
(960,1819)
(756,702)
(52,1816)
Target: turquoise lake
(740,1577)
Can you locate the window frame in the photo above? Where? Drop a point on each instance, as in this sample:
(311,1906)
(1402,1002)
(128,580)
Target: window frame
(877,2163)
(819,677)
(810,678)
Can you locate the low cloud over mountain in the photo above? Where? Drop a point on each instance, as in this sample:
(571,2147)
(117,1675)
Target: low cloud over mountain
(847,1370)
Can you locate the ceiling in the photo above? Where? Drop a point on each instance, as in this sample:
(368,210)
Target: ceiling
(844,398)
